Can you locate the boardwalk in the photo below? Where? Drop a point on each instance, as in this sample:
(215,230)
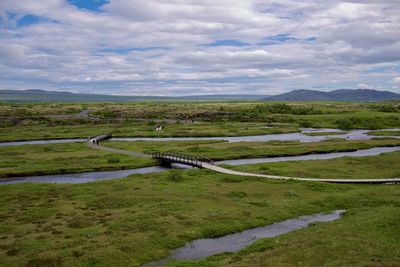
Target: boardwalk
(342,181)
(202,162)
(172,157)
(209,164)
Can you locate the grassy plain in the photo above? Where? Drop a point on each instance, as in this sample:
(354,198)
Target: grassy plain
(140,129)
(128,222)
(141,218)
(381,166)
(29,160)
(21,121)
(219,150)
(384,133)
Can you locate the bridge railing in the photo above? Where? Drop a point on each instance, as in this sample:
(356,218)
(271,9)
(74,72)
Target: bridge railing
(182,158)
(100,137)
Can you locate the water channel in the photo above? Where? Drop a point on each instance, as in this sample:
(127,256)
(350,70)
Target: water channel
(234,242)
(299,136)
(108,175)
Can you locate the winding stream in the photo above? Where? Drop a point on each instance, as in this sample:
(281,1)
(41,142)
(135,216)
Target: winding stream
(234,242)
(359,153)
(108,175)
(352,135)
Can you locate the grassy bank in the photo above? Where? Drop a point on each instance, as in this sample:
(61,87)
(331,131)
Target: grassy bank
(77,157)
(219,150)
(141,218)
(140,129)
(325,133)
(62,158)
(381,166)
(363,237)
(384,133)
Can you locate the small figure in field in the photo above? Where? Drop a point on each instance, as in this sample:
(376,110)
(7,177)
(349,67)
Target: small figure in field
(93,141)
(159,127)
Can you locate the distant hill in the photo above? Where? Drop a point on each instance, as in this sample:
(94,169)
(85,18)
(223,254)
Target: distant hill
(37,95)
(336,95)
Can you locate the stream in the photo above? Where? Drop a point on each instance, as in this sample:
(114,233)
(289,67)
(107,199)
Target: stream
(108,175)
(202,248)
(300,136)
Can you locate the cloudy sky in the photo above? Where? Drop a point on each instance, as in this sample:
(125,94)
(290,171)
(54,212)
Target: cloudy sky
(184,47)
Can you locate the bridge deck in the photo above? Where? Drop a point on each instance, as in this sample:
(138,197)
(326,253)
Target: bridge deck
(173,157)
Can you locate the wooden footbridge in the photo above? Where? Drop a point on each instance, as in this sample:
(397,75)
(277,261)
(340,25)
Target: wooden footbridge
(167,158)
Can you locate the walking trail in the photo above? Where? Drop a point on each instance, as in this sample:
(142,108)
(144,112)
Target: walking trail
(238,173)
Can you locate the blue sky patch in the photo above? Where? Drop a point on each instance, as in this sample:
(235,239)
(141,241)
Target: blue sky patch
(277,39)
(28,20)
(93,5)
(227,42)
(126,50)
(382,69)
(31,19)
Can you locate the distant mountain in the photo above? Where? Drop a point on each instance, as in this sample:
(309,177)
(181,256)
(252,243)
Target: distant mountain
(336,95)
(37,95)
(223,97)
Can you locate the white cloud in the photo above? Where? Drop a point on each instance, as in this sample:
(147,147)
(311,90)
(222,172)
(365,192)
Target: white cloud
(158,47)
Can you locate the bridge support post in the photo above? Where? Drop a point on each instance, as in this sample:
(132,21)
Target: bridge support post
(165,163)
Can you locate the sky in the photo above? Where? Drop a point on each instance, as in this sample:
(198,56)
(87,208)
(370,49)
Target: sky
(191,47)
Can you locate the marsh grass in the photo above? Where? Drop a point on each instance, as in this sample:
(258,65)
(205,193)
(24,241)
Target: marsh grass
(23,121)
(220,150)
(143,217)
(381,166)
(32,160)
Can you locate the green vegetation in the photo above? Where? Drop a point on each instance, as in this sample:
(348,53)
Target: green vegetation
(140,129)
(62,158)
(380,166)
(219,150)
(141,218)
(131,221)
(57,120)
(325,133)
(363,237)
(29,160)
(384,133)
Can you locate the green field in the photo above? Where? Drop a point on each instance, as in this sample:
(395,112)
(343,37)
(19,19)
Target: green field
(381,166)
(19,121)
(142,218)
(137,129)
(384,133)
(30,160)
(46,159)
(219,150)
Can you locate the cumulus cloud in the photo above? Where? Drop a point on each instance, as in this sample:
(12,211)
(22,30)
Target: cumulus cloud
(181,47)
